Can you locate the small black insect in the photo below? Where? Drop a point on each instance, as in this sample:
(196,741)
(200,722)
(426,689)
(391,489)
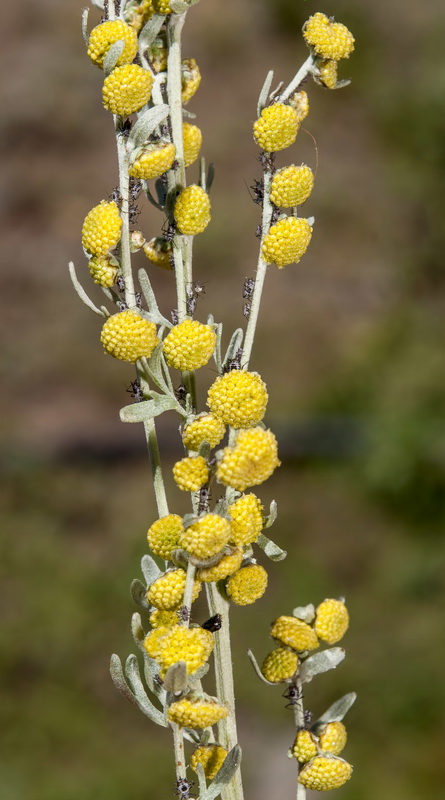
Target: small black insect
(184,613)
(249,285)
(258,191)
(267,160)
(246,310)
(126,127)
(191,303)
(204,496)
(181,394)
(183,787)
(169,233)
(213,624)
(235,362)
(138,299)
(116,196)
(293,694)
(307,719)
(259,231)
(275,214)
(133,213)
(174,316)
(134,390)
(120,283)
(122,306)
(134,188)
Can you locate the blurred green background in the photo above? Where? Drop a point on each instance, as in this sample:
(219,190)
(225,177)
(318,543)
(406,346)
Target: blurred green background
(351,344)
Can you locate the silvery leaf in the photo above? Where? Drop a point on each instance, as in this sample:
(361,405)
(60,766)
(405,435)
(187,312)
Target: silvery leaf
(305,613)
(179,558)
(320,662)
(137,630)
(257,669)
(150,569)
(147,409)
(146,124)
(235,343)
(179,6)
(151,674)
(337,711)
(117,676)
(150,31)
(112,56)
(188,519)
(273,511)
(147,291)
(85,13)
(188,114)
(271,549)
(146,706)
(175,680)
(202,783)
(264,94)
(98,4)
(81,291)
(138,593)
(224,775)
(210,177)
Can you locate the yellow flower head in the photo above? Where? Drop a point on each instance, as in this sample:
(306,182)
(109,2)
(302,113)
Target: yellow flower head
(327,74)
(227,566)
(333,738)
(101,229)
(192,645)
(322,773)
(287,241)
(153,161)
(292,186)
(280,665)
(331,621)
(247,585)
(211,757)
(294,633)
(128,336)
(160,252)
(192,143)
(127,89)
(191,78)
(189,345)
(205,428)
(247,519)
(276,128)
(103,36)
(238,398)
(162,6)
(165,619)
(250,461)
(192,210)
(191,473)
(196,713)
(103,270)
(304,747)
(164,535)
(207,536)
(167,592)
(328,39)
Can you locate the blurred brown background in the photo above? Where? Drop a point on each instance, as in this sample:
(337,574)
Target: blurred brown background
(351,344)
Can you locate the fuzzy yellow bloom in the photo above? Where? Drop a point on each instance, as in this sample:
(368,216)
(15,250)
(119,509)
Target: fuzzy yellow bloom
(205,428)
(196,713)
(103,270)
(192,210)
(294,633)
(300,102)
(247,585)
(101,229)
(238,398)
(333,738)
(287,241)
(162,6)
(156,637)
(192,645)
(291,186)
(167,592)
(153,161)
(165,619)
(328,39)
(191,473)
(128,336)
(211,757)
(276,128)
(192,143)
(189,345)
(247,519)
(163,536)
(191,78)
(103,36)
(327,73)
(251,461)
(207,536)
(304,747)
(279,665)
(331,621)
(160,252)
(322,774)
(227,566)
(127,89)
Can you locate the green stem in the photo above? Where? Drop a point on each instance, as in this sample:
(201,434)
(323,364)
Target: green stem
(178,743)
(299,724)
(227,733)
(156,469)
(188,592)
(302,73)
(127,273)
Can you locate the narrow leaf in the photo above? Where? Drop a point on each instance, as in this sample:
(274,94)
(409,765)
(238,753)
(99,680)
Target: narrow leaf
(210,176)
(273,511)
(146,124)
(148,409)
(150,569)
(138,593)
(81,291)
(271,549)
(188,114)
(337,711)
(117,676)
(147,291)
(137,630)
(112,56)
(320,662)
(175,680)
(150,31)
(234,345)
(264,94)
(85,13)
(257,669)
(305,613)
(224,775)
(144,703)
(151,674)
(98,4)
(202,783)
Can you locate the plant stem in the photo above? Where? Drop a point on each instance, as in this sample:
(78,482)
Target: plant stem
(227,732)
(127,274)
(178,742)
(302,73)
(261,271)
(299,724)
(155,461)
(188,592)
